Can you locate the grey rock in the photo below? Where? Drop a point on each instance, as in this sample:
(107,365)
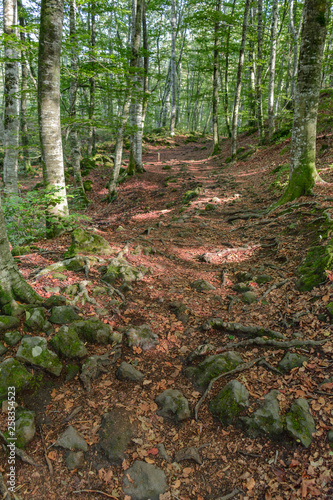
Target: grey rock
(141,336)
(120,269)
(243,276)
(93,367)
(202,285)
(74,460)
(71,439)
(62,315)
(89,243)
(36,320)
(13,373)
(266,419)
(262,278)
(213,366)
(241,287)
(144,481)
(99,290)
(290,361)
(71,290)
(229,402)
(128,372)
(52,289)
(34,350)
(115,434)
(66,342)
(25,428)
(55,300)
(330,437)
(93,331)
(8,323)
(173,405)
(12,338)
(71,372)
(300,423)
(249,298)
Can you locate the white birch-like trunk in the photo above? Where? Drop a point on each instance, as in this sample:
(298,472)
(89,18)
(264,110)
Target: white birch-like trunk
(239,80)
(173,68)
(272,63)
(49,110)
(259,74)
(216,81)
(11,88)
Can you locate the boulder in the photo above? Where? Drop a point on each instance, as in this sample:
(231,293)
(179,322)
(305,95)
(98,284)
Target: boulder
(267,419)
(202,285)
(291,360)
(141,336)
(173,405)
(8,323)
(93,331)
(229,402)
(115,434)
(128,372)
(13,374)
(34,350)
(213,366)
(55,300)
(120,269)
(300,423)
(144,481)
(66,342)
(62,315)
(36,320)
(71,439)
(87,243)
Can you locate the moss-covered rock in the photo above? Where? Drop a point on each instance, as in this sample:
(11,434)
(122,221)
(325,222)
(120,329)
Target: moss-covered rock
(291,360)
(13,310)
(66,342)
(329,308)
(86,242)
(229,402)
(34,350)
(241,287)
(88,184)
(202,285)
(267,419)
(22,250)
(93,331)
(212,367)
(36,320)
(12,338)
(192,194)
(62,315)
(173,405)
(8,323)
(141,336)
(25,428)
(120,269)
(126,371)
(55,300)
(300,423)
(243,276)
(115,434)
(312,270)
(249,298)
(262,279)
(71,372)
(13,374)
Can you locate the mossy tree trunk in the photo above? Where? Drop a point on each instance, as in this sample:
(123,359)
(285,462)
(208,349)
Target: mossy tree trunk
(303,173)
(50,36)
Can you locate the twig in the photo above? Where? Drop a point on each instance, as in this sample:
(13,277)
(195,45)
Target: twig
(96,491)
(48,461)
(270,367)
(230,495)
(114,290)
(246,454)
(240,368)
(277,285)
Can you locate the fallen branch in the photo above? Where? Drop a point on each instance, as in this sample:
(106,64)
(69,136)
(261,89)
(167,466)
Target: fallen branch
(254,331)
(114,290)
(275,343)
(238,369)
(273,287)
(48,461)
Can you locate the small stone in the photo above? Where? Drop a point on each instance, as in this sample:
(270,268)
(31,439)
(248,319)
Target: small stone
(330,437)
(173,405)
(229,402)
(120,228)
(52,289)
(290,361)
(61,315)
(241,287)
(25,428)
(300,423)
(128,372)
(120,269)
(202,285)
(12,338)
(99,290)
(92,368)
(59,276)
(243,276)
(249,298)
(71,439)
(3,349)
(144,481)
(8,406)
(141,336)
(74,460)
(115,434)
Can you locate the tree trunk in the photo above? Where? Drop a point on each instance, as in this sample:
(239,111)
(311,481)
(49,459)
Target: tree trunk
(303,173)
(24,90)
(259,73)
(92,86)
(216,80)
(295,35)
(239,80)
(173,67)
(11,88)
(49,112)
(226,77)
(272,63)
(74,137)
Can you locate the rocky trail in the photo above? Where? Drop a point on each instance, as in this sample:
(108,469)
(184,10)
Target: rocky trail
(186,356)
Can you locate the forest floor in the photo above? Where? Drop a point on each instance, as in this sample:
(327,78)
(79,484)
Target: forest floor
(213,237)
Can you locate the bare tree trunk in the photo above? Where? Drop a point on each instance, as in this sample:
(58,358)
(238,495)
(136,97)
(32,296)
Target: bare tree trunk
(11,88)
(226,77)
(74,137)
(216,81)
(303,172)
(49,111)
(252,79)
(295,35)
(92,84)
(173,67)
(259,74)
(24,89)
(239,80)
(272,63)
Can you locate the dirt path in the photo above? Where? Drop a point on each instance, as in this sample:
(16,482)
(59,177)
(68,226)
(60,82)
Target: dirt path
(217,234)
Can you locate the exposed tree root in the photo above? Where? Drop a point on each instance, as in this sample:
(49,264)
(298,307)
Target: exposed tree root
(240,328)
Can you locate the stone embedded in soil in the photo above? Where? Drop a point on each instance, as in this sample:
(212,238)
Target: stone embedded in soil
(249,298)
(74,460)
(300,423)
(330,437)
(202,285)
(291,360)
(13,373)
(12,338)
(141,336)
(36,320)
(230,402)
(62,315)
(173,405)
(25,428)
(115,434)
(241,287)
(213,366)
(120,269)
(267,419)
(329,308)
(93,331)
(144,481)
(34,350)
(71,439)
(93,367)
(55,300)
(261,279)
(71,372)
(8,323)
(66,342)
(128,372)
(243,276)
(87,243)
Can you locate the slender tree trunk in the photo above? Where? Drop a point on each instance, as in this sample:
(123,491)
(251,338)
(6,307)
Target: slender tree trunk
(226,77)
(259,74)
(24,90)
(173,67)
(295,36)
(216,80)
(49,111)
(272,63)
(92,84)
(239,80)
(11,88)
(74,137)
(252,79)
(303,173)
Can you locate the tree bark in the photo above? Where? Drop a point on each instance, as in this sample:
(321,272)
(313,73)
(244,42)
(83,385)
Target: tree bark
(24,90)
(259,74)
(272,63)
(49,112)
(11,88)
(173,67)
(303,173)
(92,85)
(216,80)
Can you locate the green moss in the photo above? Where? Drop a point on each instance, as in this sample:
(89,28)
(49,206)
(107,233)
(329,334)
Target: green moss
(312,270)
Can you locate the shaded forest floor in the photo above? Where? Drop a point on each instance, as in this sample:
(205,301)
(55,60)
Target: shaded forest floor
(214,236)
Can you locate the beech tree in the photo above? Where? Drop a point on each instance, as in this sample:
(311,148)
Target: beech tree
(303,173)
